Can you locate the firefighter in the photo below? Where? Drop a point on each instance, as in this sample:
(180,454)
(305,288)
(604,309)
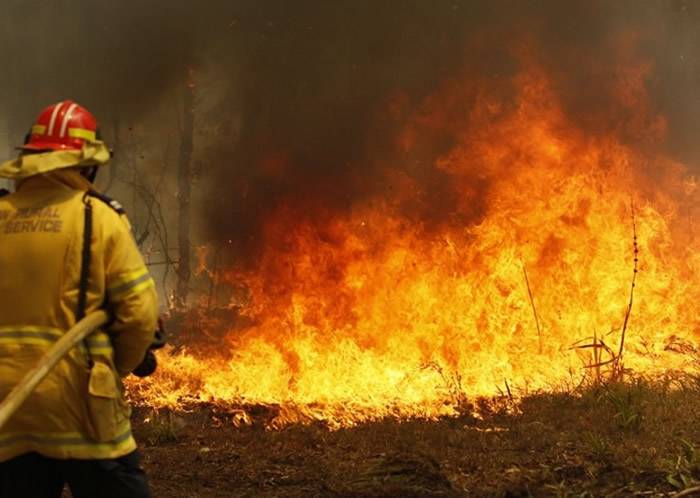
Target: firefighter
(65,251)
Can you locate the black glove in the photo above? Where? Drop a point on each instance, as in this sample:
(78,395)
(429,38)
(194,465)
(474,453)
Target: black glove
(149,363)
(147,366)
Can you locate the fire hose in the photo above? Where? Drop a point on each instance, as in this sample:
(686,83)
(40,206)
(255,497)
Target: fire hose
(31,380)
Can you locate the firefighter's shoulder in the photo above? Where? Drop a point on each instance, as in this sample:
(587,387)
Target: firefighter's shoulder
(114,204)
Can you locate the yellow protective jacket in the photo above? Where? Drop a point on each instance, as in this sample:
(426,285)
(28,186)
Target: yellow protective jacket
(77,411)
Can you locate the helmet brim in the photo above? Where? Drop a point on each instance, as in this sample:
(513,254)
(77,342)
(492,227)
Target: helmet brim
(41,146)
(26,165)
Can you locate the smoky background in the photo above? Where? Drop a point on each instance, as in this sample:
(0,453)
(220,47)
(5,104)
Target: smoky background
(292,100)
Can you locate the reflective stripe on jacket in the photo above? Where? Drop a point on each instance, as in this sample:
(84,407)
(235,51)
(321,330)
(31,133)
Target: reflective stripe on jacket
(71,414)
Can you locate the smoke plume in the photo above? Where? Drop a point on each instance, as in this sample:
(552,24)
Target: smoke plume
(310,96)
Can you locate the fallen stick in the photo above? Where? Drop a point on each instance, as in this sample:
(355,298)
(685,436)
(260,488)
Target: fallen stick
(694,491)
(21,391)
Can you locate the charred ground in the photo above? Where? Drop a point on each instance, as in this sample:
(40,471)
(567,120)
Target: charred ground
(622,439)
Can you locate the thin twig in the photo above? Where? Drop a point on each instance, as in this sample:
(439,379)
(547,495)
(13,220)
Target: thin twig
(510,394)
(150,201)
(687,492)
(618,360)
(602,363)
(534,310)
(597,355)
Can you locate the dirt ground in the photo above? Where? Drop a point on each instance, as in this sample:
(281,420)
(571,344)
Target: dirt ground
(637,439)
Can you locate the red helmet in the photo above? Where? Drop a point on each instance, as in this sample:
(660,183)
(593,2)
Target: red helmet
(62,126)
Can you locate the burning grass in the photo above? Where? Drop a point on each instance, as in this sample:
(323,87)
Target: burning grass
(600,366)
(556,249)
(518,334)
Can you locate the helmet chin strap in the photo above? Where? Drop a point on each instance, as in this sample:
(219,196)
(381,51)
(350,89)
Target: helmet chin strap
(89,173)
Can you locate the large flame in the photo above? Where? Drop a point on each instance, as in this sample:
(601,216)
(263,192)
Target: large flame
(377,312)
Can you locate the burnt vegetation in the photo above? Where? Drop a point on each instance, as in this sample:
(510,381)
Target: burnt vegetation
(638,438)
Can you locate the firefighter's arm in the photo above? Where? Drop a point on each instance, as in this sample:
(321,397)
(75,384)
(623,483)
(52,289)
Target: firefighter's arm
(132,300)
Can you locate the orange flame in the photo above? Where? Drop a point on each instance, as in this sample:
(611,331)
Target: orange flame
(372,313)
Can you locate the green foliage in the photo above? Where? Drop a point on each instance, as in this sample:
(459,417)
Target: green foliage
(598,445)
(627,403)
(685,469)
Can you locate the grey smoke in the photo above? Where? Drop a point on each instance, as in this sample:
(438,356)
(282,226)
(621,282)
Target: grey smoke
(309,80)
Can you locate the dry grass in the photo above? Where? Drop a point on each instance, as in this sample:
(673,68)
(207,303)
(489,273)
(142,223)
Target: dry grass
(638,438)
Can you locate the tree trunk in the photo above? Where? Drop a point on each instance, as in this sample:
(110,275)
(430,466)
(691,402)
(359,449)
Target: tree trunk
(184,179)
